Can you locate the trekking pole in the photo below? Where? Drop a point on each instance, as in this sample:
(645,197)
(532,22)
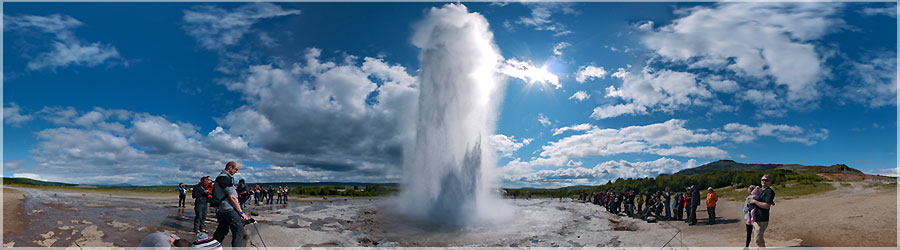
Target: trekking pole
(260,236)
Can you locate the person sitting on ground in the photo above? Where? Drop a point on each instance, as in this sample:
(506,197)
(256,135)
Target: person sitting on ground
(163,240)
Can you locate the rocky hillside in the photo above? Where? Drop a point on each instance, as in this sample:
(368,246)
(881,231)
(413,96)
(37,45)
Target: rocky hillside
(729,165)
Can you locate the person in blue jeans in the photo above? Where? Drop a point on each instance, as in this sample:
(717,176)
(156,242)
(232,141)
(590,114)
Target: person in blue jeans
(182,192)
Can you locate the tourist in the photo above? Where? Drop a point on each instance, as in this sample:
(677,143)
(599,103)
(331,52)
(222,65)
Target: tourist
(763,204)
(229,212)
(203,242)
(256,194)
(667,196)
(280,193)
(285,194)
(711,199)
(243,192)
(163,240)
(676,206)
(749,210)
(181,194)
(695,203)
(201,207)
(271,195)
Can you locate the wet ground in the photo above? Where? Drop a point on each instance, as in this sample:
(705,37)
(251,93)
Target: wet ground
(537,223)
(63,219)
(60,219)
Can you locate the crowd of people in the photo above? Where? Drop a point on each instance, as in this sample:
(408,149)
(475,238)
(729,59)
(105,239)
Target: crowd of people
(665,205)
(228,200)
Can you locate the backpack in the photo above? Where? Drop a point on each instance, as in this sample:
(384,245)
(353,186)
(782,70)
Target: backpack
(221,181)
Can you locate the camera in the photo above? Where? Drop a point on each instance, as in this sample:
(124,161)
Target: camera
(249,221)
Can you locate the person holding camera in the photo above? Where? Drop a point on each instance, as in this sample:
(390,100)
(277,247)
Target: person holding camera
(201,205)
(229,212)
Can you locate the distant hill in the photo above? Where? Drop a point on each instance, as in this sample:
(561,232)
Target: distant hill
(26,181)
(729,165)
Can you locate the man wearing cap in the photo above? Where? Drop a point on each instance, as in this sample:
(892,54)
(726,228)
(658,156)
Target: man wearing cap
(711,199)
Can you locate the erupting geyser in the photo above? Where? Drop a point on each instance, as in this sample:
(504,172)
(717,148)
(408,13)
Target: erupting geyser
(448,167)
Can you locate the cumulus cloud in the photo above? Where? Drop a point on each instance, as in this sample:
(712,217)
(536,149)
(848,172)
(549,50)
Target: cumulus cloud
(65,48)
(507,145)
(330,115)
(601,173)
(620,73)
(741,133)
(589,72)
(557,49)
(663,90)
(667,139)
(541,16)
(580,96)
(753,40)
(13,116)
(526,71)
(217,28)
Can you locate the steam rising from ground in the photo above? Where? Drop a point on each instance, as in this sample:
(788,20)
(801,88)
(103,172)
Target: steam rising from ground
(448,169)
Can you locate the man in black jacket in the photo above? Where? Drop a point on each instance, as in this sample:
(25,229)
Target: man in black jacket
(201,207)
(695,202)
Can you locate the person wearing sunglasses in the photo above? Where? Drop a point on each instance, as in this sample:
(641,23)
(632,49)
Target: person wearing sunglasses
(765,201)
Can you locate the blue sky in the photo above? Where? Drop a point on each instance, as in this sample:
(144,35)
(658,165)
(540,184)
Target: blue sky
(126,92)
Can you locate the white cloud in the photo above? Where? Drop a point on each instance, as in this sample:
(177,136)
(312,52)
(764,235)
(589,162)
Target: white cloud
(13,116)
(29,176)
(754,41)
(573,163)
(667,139)
(663,90)
(526,71)
(66,48)
(620,73)
(609,111)
(541,16)
(589,73)
(217,28)
(326,114)
(507,145)
(886,11)
(579,127)
(721,85)
(874,80)
(886,172)
(741,133)
(580,96)
(557,49)
(601,173)
(544,120)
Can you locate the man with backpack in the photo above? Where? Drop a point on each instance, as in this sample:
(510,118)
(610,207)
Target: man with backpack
(228,213)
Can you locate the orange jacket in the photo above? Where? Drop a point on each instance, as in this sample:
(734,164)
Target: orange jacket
(711,199)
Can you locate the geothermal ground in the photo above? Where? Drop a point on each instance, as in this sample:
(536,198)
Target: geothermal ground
(849,216)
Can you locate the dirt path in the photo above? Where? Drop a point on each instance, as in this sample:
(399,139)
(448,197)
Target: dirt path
(12,199)
(853,216)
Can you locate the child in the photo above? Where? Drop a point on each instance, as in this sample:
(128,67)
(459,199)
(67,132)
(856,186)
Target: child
(749,210)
